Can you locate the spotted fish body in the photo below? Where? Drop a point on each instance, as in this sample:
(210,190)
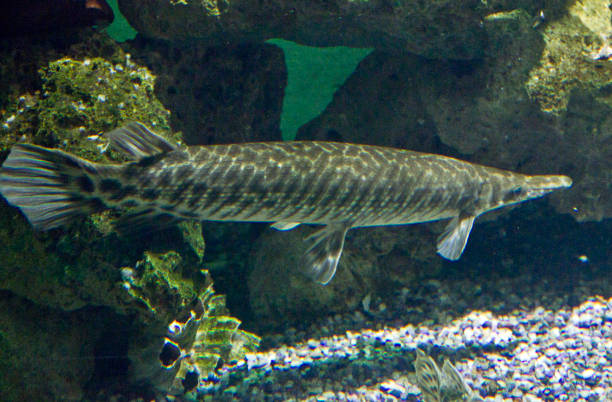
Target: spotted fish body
(337,185)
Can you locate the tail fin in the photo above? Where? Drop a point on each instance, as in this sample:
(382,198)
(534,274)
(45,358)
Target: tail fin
(48,185)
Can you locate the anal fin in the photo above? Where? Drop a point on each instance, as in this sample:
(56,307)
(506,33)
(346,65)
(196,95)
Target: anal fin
(452,242)
(324,250)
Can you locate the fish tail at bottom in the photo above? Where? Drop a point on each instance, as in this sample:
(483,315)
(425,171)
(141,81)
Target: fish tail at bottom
(50,186)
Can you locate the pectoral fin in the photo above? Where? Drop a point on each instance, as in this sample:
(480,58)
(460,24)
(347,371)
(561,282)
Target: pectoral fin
(452,242)
(284,225)
(324,250)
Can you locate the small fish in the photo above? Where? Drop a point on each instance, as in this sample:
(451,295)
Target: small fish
(338,185)
(453,386)
(427,377)
(444,385)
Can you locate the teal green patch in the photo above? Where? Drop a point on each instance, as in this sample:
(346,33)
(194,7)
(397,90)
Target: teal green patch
(313,76)
(120,30)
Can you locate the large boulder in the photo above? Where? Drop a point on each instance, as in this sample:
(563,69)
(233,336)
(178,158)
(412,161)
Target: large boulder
(436,29)
(218,94)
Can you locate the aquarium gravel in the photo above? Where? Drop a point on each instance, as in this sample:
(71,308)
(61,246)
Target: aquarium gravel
(539,354)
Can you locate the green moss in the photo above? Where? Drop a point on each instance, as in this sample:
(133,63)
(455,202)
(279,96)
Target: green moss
(81,99)
(192,234)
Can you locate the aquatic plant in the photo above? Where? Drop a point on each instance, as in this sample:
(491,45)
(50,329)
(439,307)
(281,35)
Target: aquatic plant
(199,333)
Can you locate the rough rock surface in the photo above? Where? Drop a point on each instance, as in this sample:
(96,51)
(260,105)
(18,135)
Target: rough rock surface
(47,353)
(218,94)
(575,57)
(437,29)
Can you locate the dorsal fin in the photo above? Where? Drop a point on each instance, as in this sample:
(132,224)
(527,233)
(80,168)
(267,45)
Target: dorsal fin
(136,141)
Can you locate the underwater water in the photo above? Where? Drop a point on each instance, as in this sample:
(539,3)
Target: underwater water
(213,258)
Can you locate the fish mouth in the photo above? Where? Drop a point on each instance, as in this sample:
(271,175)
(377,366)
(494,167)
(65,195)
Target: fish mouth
(541,185)
(564,181)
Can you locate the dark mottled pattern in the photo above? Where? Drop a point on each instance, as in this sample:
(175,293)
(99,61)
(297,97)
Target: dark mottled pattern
(85,184)
(110,185)
(311,182)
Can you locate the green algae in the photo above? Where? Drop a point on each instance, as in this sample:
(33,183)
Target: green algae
(192,234)
(92,96)
(78,100)
(81,99)
(198,322)
(71,269)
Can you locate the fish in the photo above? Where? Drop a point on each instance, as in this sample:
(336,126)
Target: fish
(21,17)
(337,185)
(427,376)
(441,385)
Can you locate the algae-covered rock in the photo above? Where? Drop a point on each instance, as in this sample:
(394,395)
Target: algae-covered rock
(22,58)
(67,270)
(438,29)
(68,274)
(78,100)
(163,285)
(92,96)
(81,99)
(575,56)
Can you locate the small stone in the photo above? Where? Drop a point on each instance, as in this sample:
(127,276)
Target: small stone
(590,376)
(392,388)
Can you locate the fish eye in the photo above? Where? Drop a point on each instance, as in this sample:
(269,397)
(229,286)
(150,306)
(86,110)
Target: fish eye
(516,191)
